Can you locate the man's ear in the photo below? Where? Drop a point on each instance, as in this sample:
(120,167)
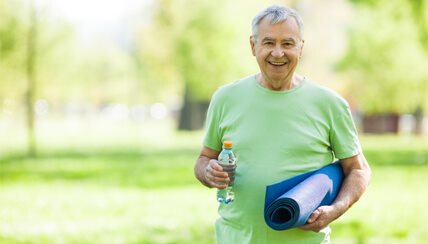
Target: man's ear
(301,48)
(253,43)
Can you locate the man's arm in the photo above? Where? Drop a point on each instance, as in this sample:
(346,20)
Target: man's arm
(357,176)
(208,171)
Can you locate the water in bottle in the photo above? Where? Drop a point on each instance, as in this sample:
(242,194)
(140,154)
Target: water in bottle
(227,161)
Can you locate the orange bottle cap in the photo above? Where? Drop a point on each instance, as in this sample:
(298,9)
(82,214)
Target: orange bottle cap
(227,144)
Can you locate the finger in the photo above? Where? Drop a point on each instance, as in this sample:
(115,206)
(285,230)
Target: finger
(306,227)
(219,174)
(216,173)
(314,216)
(217,182)
(218,179)
(311,227)
(218,186)
(215,165)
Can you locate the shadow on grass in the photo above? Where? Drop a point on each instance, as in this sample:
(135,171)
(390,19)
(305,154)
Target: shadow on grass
(390,157)
(99,153)
(133,168)
(145,168)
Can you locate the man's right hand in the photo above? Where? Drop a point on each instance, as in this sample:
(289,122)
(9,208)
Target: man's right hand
(209,172)
(215,176)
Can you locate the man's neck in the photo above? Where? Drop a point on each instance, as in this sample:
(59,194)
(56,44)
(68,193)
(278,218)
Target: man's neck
(282,85)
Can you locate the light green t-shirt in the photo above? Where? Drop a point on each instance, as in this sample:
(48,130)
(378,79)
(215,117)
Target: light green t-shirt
(276,135)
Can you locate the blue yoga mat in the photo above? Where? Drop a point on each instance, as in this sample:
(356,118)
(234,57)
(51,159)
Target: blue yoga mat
(289,203)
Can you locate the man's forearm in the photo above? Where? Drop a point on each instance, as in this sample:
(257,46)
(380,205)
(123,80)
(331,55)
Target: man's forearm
(353,187)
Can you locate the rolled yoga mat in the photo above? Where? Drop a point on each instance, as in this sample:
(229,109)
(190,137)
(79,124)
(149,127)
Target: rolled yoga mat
(289,203)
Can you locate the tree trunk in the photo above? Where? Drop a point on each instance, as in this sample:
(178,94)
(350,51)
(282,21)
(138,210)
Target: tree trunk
(192,114)
(31,80)
(419,117)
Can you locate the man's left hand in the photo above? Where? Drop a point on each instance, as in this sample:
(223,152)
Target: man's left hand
(320,218)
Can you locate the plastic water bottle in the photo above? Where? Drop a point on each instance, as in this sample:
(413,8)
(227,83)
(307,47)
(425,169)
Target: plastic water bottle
(227,161)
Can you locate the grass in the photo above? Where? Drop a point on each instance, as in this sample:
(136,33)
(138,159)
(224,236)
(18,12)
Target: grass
(136,185)
(125,186)
(78,213)
(392,209)
(396,150)
(109,168)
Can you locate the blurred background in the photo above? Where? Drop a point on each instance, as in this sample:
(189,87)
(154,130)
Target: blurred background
(102,105)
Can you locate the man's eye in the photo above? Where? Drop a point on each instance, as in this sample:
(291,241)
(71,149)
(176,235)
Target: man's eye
(268,43)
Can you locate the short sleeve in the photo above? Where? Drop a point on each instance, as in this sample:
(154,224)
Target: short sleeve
(212,138)
(343,134)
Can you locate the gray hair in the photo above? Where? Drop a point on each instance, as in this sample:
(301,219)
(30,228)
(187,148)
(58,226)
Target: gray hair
(277,14)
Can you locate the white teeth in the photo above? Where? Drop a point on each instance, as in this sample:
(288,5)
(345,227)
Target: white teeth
(277,63)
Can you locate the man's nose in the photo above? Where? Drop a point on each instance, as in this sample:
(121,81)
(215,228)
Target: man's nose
(277,52)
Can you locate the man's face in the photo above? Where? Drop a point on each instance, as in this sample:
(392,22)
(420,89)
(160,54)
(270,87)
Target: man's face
(277,49)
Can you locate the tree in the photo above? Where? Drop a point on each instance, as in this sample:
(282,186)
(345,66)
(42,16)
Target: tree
(197,49)
(202,52)
(31,77)
(191,50)
(420,13)
(18,59)
(27,42)
(386,57)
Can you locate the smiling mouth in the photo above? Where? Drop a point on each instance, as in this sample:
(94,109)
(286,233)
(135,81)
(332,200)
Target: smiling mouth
(277,63)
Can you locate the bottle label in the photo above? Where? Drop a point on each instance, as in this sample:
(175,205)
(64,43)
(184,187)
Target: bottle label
(230,169)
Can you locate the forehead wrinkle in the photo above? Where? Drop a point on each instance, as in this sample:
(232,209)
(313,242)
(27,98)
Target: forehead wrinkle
(282,40)
(268,39)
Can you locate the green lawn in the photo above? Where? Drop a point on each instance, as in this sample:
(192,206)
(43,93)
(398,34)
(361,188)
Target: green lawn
(136,186)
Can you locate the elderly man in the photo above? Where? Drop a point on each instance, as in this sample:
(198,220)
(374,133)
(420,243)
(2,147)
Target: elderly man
(282,124)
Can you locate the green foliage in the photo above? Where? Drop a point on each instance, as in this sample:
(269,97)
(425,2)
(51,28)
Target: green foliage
(67,69)
(198,47)
(203,50)
(12,47)
(386,58)
(9,30)
(174,46)
(53,40)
